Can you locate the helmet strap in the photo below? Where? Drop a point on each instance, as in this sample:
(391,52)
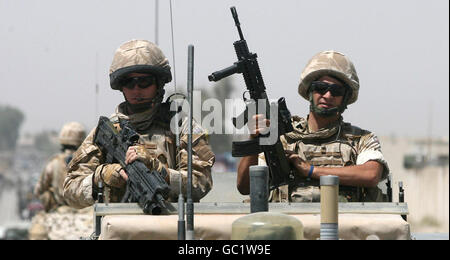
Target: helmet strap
(141,107)
(327,112)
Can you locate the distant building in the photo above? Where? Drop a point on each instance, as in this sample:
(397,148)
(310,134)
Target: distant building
(422,165)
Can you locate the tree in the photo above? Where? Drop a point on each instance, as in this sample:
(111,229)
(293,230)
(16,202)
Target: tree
(10,121)
(220,142)
(44,143)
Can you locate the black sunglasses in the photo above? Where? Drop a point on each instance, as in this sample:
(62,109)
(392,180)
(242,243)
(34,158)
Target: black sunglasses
(141,82)
(322,88)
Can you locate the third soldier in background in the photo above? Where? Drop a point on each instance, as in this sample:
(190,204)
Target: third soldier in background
(323,144)
(49,188)
(140,70)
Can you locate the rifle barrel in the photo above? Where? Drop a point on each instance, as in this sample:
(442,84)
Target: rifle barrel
(236,21)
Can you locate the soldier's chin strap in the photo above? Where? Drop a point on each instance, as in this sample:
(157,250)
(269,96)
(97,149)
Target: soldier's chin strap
(324,112)
(329,112)
(141,107)
(149,102)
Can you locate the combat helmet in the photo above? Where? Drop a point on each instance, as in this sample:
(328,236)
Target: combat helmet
(72,134)
(140,56)
(334,64)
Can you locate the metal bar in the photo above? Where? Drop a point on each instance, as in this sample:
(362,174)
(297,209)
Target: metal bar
(189,202)
(259,188)
(244,208)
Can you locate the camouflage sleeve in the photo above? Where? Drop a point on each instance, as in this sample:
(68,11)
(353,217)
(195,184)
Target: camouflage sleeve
(202,161)
(43,189)
(369,149)
(78,185)
(45,180)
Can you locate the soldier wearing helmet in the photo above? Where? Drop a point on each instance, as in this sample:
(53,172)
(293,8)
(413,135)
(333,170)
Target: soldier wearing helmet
(140,70)
(322,143)
(49,188)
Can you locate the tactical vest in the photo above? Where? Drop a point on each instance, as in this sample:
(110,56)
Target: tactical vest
(337,149)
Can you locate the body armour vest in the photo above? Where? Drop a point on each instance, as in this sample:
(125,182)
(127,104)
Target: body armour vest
(339,145)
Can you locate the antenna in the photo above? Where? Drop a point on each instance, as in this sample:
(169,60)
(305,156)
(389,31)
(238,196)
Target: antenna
(181,213)
(96,85)
(190,88)
(173,48)
(430,137)
(156,22)
(181,210)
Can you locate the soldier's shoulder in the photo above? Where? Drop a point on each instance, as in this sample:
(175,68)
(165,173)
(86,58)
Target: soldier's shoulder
(86,149)
(56,158)
(53,162)
(354,131)
(197,129)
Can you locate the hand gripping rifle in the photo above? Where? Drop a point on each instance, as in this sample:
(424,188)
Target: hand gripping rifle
(147,188)
(247,64)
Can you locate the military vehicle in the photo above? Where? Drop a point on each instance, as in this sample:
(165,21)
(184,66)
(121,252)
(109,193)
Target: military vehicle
(213,221)
(260,220)
(257,220)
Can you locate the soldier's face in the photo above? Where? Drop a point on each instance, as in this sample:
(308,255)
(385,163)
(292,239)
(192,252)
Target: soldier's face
(136,94)
(327,100)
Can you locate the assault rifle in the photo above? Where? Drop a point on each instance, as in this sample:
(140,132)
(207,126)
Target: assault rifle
(147,188)
(247,64)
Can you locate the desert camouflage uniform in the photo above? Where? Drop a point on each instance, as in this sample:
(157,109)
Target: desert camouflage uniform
(141,56)
(64,223)
(337,146)
(157,138)
(49,188)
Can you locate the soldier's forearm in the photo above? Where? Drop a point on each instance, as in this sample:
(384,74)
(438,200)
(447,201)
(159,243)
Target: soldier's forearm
(365,175)
(78,191)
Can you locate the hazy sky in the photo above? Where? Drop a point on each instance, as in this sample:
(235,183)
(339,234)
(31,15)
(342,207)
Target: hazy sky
(52,53)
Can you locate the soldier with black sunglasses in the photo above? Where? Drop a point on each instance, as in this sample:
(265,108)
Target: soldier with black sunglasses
(322,143)
(140,71)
